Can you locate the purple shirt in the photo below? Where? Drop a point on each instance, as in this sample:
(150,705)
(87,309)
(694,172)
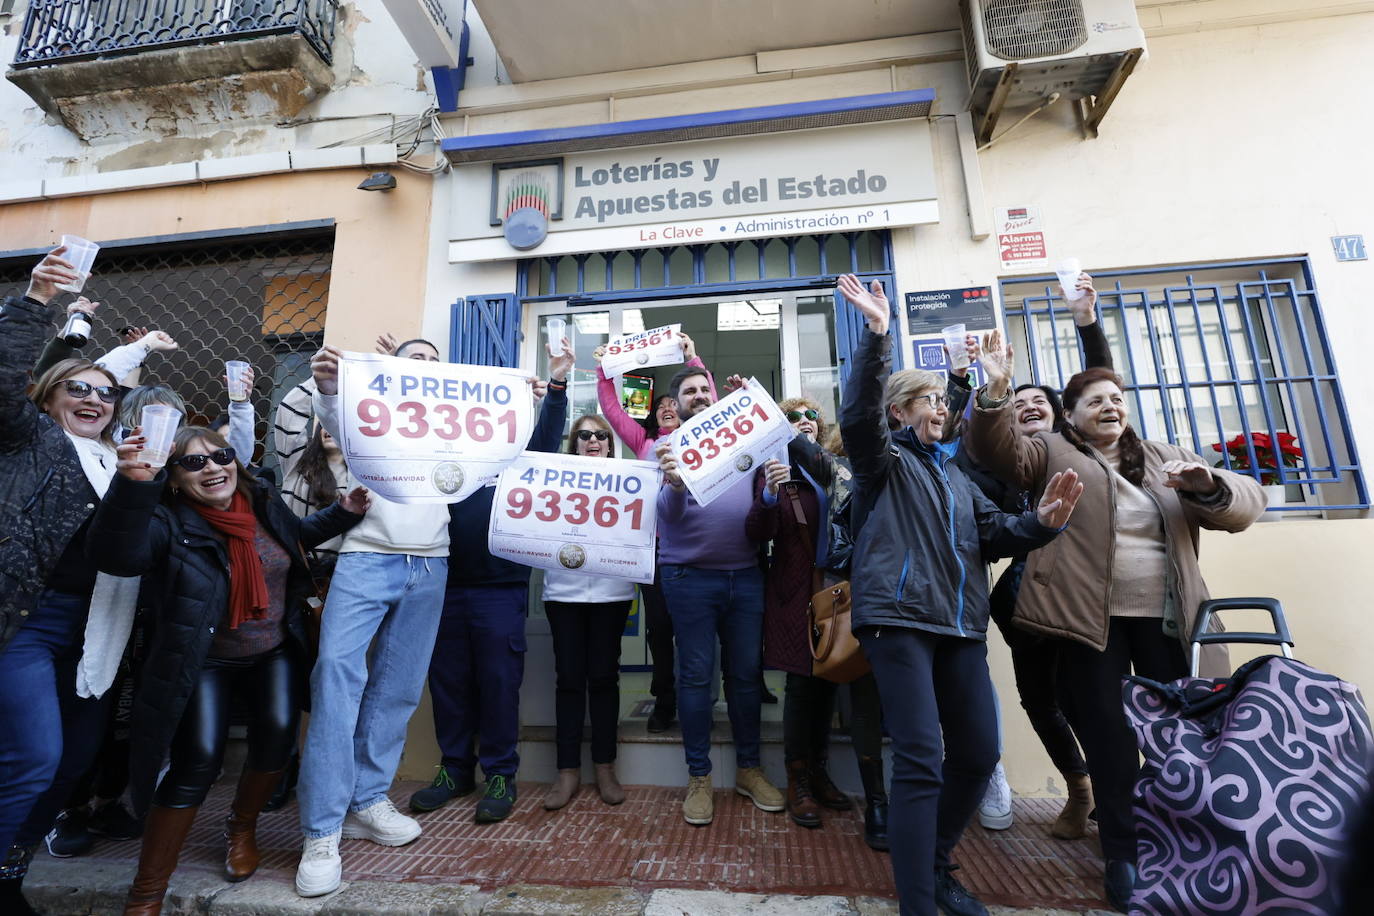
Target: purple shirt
(711,537)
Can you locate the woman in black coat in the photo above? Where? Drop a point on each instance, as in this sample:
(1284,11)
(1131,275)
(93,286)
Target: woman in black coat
(223,557)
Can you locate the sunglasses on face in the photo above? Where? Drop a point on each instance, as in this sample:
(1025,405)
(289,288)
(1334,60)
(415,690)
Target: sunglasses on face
(220,456)
(936,401)
(795,416)
(82,390)
(586,435)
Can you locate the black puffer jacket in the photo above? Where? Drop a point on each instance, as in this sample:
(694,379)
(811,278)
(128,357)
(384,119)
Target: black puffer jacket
(44,494)
(924,531)
(185,569)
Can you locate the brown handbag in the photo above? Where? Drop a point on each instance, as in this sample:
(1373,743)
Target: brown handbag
(314,604)
(835,654)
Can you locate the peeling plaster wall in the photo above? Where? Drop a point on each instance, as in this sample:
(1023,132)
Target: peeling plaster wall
(376,83)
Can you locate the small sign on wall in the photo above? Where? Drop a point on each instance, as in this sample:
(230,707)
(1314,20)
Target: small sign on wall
(1021,238)
(929,311)
(1349,247)
(930,355)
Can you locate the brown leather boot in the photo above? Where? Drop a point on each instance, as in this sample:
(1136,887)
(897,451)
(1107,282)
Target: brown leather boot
(800,805)
(241,826)
(563,789)
(164,833)
(825,791)
(1072,823)
(607,786)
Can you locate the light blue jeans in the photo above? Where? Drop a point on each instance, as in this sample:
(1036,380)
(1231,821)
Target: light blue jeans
(361,701)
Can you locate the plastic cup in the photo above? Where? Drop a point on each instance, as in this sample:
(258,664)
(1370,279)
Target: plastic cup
(81,253)
(159,424)
(237,371)
(556,328)
(1068,271)
(956,344)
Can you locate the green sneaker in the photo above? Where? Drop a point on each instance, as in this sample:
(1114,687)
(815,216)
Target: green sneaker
(443,790)
(498,801)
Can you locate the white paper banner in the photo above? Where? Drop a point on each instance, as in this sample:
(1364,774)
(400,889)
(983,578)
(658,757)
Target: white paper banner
(656,347)
(421,432)
(587,515)
(723,444)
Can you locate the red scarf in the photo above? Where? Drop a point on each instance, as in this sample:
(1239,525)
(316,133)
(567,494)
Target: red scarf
(247,587)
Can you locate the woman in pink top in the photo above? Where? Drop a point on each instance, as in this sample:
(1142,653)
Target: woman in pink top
(642,436)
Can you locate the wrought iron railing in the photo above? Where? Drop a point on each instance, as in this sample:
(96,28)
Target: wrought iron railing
(63,31)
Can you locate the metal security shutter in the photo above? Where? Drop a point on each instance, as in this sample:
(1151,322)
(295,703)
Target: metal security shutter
(486,331)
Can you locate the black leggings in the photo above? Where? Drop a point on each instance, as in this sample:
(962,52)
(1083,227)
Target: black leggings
(586,657)
(270,684)
(658,632)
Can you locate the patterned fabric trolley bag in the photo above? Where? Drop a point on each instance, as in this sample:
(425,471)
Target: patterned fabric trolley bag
(1250,783)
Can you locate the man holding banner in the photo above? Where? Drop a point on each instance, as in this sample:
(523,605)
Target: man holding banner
(711,575)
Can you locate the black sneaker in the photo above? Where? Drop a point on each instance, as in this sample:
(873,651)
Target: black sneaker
(953,898)
(498,801)
(114,822)
(70,836)
(444,789)
(661,719)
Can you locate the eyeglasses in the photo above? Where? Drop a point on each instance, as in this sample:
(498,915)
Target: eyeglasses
(220,456)
(586,434)
(794,416)
(82,390)
(936,401)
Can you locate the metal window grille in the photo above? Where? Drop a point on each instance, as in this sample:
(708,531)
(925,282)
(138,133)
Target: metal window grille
(60,31)
(261,298)
(1209,353)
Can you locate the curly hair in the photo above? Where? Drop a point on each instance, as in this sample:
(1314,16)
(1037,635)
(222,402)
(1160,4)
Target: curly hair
(1130,449)
(802,404)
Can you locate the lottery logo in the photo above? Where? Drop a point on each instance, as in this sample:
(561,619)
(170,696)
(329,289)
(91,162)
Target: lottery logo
(744,463)
(571,556)
(642,358)
(447,478)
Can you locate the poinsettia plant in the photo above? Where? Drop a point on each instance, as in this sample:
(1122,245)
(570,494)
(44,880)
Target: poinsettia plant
(1267,458)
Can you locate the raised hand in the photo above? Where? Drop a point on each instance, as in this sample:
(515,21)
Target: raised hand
(734,383)
(132,334)
(48,273)
(1084,308)
(598,353)
(82,304)
(689,347)
(324,366)
(1058,501)
(668,464)
(562,364)
(387,344)
(130,462)
(539,388)
(1189,477)
(998,361)
(159,340)
(356,500)
(872,302)
(775,474)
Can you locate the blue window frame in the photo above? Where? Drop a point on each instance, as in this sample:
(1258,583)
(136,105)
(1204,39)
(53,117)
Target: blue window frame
(1209,353)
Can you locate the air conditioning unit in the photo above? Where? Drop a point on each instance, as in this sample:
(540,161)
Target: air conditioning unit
(1072,47)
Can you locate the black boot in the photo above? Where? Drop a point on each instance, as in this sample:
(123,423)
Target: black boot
(1118,881)
(13,868)
(875,797)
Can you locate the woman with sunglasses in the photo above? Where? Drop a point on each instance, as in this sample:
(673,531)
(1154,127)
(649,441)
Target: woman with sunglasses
(225,557)
(56,460)
(586,618)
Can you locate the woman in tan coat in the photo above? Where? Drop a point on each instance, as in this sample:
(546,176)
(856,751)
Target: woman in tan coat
(1122,585)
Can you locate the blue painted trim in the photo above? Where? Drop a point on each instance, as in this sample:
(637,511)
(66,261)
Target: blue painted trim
(683,122)
(447,82)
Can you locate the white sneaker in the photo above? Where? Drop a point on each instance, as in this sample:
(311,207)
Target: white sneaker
(320,869)
(382,824)
(995,811)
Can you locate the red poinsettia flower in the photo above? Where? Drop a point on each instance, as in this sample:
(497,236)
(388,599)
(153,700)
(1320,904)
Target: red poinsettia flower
(1266,461)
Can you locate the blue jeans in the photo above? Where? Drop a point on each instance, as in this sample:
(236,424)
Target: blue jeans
(474,681)
(48,735)
(705,604)
(361,701)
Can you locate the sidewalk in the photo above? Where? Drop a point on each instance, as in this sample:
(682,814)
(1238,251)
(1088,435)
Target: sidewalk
(637,858)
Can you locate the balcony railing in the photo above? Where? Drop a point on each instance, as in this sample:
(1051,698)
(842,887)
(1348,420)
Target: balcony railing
(64,31)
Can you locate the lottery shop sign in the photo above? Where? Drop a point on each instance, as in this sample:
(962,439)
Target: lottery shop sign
(725,443)
(658,347)
(594,516)
(420,432)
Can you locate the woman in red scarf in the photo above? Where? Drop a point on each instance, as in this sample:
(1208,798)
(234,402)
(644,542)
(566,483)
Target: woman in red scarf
(223,557)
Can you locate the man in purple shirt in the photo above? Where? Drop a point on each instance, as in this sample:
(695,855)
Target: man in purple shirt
(714,588)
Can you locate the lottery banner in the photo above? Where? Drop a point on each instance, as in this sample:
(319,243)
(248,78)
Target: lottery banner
(587,515)
(723,444)
(657,347)
(421,432)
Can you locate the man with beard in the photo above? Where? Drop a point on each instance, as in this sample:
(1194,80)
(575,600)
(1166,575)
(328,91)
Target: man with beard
(714,589)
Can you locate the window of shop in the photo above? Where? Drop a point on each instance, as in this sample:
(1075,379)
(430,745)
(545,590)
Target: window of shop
(259,296)
(1213,354)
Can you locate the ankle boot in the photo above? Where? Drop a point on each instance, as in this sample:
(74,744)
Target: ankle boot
(13,867)
(563,789)
(241,826)
(824,790)
(875,795)
(164,833)
(607,785)
(800,804)
(1072,823)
